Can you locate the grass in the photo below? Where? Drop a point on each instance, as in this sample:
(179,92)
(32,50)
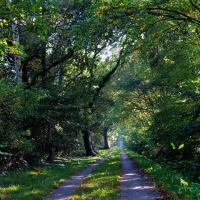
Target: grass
(36,182)
(102,183)
(177,186)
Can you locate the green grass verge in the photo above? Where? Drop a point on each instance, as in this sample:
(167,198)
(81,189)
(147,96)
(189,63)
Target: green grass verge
(177,186)
(34,183)
(102,183)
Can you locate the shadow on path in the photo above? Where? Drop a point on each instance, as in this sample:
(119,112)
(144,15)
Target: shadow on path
(69,187)
(133,184)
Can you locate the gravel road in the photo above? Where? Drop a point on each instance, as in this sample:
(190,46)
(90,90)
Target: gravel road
(69,187)
(133,184)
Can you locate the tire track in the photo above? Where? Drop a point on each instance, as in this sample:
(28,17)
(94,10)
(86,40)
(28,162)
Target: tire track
(70,185)
(133,184)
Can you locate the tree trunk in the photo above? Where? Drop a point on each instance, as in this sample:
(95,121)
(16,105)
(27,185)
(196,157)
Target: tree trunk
(105,136)
(43,62)
(24,75)
(88,143)
(17,60)
(50,155)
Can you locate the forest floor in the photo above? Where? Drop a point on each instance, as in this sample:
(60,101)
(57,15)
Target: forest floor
(133,184)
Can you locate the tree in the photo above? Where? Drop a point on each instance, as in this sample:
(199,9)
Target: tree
(164,90)
(147,87)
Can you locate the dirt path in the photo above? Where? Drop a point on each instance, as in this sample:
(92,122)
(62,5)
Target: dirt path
(69,187)
(133,184)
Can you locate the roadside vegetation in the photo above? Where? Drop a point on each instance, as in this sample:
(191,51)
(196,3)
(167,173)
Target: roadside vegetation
(102,183)
(35,182)
(171,183)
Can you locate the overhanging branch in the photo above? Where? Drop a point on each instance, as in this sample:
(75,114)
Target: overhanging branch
(174,14)
(105,79)
(194,5)
(66,57)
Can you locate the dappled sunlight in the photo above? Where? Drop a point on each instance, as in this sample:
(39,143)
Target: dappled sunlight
(102,183)
(38,181)
(8,190)
(142,187)
(33,192)
(17,190)
(134,183)
(112,163)
(70,186)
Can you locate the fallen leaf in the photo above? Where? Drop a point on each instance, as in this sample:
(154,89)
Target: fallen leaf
(36,170)
(30,187)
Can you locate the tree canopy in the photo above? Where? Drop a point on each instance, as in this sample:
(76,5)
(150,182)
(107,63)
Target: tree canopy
(130,68)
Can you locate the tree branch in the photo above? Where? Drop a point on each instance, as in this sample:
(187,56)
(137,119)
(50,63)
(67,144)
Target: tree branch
(67,56)
(105,79)
(25,62)
(194,5)
(169,13)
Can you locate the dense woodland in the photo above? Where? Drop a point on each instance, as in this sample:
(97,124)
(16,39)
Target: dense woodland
(76,74)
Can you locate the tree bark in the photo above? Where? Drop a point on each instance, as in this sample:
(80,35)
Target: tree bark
(50,155)
(17,60)
(88,143)
(105,136)
(25,75)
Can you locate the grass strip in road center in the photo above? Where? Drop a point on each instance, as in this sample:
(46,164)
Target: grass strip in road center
(102,183)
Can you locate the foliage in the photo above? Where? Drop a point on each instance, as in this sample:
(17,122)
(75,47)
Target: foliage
(16,105)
